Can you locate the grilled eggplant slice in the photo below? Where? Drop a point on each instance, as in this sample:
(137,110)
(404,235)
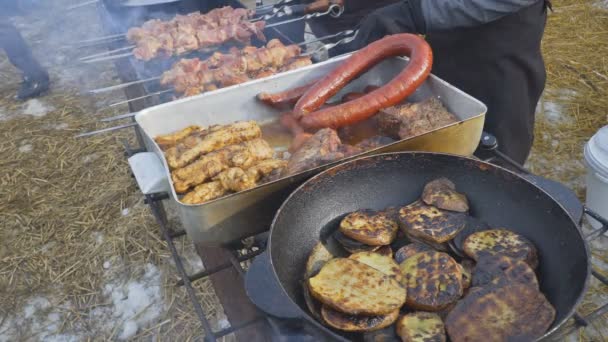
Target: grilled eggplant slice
(354,288)
(369,227)
(500,242)
(353,246)
(382,263)
(499,270)
(430,223)
(410,250)
(385,250)
(517,312)
(441,193)
(421,327)
(433,280)
(353,323)
(317,258)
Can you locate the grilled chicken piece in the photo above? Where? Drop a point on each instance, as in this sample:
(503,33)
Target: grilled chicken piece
(236,179)
(323,147)
(433,280)
(500,242)
(354,323)
(227,135)
(442,194)
(516,312)
(429,223)
(208,166)
(412,119)
(421,327)
(170,140)
(204,193)
(352,287)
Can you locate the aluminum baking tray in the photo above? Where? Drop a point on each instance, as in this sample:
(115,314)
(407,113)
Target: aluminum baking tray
(250,212)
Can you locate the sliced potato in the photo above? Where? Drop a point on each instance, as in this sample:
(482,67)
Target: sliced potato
(387,334)
(353,246)
(433,280)
(421,327)
(517,312)
(369,227)
(409,250)
(382,263)
(441,193)
(466,277)
(498,270)
(467,266)
(352,287)
(500,242)
(430,223)
(317,258)
(354,323)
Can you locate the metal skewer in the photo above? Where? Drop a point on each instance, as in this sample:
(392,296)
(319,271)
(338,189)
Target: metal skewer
(119,117)
(82,4)
(105,53)
(344,34)
(104,130)
(141,97)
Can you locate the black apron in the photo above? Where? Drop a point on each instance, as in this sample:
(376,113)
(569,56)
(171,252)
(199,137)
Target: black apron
(500,64)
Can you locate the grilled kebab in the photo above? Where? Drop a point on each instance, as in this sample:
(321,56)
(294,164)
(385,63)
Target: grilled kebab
(194,76)
(194,31)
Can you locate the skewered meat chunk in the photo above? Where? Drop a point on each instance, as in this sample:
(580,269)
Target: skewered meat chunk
(205,192)
(227,135)
(208,166)
(169,140)
(412,119)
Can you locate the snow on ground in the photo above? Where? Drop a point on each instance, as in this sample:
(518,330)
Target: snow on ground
(37,108)
(134,304)
(25,148)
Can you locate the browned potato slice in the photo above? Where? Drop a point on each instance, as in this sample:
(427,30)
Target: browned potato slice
(387,334)
(442,194)
(382,263)
(346,322)
(430,223)
(433,280)
(352,287)
(517,312)
(421,327)
(317,258)
(370,227)
(467,266)
(498,270)
(466,277)
(353,246)
(409,250)
(503,242)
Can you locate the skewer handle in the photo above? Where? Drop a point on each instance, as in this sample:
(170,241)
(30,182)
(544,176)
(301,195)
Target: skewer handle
(105,130)
(333,10)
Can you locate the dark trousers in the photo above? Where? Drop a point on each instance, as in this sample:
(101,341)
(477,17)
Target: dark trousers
(18,51)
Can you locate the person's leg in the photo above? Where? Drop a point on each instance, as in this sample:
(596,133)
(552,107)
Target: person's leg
(35,77)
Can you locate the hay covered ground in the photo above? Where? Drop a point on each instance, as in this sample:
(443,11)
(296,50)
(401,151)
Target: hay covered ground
(80,256)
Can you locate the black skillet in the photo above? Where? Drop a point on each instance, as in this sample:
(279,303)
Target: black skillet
(497,196)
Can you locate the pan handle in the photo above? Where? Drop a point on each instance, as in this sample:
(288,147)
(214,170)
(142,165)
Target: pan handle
(265,291)
(600,231)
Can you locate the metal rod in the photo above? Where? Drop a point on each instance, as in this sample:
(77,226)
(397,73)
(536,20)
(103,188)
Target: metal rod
(118,117)
(239,326)
(329,46)
(140,98)
(105,130)
(108,58)
(82,4)
(122,85)
(282,2)
(101,39)
(332,9)
(210,271)
(109,52)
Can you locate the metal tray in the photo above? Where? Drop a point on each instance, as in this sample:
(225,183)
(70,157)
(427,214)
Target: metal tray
(250,212)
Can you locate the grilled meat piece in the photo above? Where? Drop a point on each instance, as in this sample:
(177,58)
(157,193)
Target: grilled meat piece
(170,140)
(208,166)
(236,179)
(412,119)
(204,192)
(224,136)
(323,147)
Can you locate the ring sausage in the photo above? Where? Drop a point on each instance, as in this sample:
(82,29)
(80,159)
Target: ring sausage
(285,98)
(395,91)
